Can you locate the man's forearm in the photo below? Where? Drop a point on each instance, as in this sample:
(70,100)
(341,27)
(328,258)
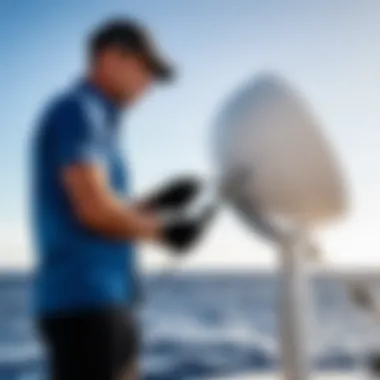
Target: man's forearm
(100,209)
(114,219)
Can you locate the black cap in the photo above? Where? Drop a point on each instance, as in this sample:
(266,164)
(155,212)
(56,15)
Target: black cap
(133,37)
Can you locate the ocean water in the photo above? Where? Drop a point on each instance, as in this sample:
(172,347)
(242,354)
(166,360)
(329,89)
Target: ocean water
(200,326)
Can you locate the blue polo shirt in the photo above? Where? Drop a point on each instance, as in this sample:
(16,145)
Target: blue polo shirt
(77,268)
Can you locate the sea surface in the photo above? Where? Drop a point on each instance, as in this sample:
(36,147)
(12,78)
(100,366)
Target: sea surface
(205,325)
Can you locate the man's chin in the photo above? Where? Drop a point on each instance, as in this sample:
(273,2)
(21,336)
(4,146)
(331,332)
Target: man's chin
(125,99)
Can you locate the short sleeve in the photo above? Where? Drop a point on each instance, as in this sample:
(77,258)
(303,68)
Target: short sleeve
(75,135)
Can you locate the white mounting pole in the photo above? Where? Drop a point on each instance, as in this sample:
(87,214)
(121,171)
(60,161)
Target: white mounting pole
(294,311)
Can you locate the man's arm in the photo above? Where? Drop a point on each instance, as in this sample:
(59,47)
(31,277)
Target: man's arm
(98,208)
(80,159)
(80,162)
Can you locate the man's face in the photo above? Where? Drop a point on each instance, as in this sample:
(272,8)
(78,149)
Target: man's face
(127,74)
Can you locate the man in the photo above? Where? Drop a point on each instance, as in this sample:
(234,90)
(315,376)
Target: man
(83,225)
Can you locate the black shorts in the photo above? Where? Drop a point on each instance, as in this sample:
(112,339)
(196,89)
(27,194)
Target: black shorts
(93,345)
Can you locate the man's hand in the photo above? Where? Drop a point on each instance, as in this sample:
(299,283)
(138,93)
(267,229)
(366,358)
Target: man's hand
(181,233)
(97,207)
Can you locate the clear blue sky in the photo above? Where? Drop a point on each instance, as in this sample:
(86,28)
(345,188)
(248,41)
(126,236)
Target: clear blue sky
(328,48)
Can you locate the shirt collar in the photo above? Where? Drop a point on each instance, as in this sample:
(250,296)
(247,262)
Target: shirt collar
(111,107)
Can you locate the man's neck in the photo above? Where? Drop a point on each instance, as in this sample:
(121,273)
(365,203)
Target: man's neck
(102,86)
(102,92)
